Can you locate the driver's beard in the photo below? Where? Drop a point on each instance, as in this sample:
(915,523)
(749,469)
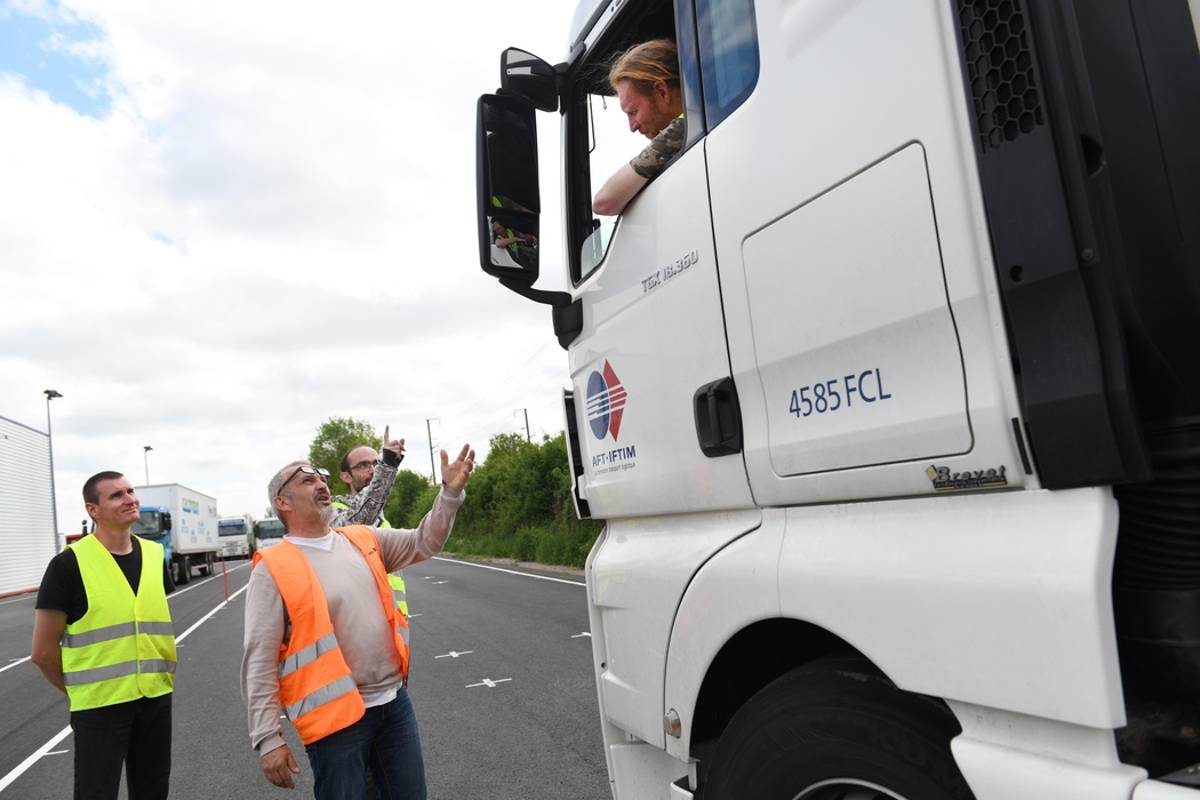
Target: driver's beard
(327,513)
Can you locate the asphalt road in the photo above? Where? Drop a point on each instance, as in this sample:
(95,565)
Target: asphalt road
(501,680)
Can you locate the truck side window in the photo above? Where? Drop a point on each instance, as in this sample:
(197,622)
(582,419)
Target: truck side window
(728,55)
(610,146)
(602,137)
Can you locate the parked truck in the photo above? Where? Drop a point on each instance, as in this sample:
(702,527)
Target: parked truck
(267,532)
(235,534)
(887,390)
(185,522)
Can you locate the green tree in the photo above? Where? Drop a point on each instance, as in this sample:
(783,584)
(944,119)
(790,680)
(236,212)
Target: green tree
(336,437)
(401,502)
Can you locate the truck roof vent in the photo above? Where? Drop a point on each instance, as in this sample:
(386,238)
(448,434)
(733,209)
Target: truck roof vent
(1000,69)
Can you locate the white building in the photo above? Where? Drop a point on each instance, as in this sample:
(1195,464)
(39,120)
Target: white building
(27,537)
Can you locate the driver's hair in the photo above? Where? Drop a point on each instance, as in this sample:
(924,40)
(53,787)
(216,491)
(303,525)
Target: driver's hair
(644,64)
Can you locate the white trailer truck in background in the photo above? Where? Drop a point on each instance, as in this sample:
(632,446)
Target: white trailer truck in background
(235,534)
(185,522)
(887,390)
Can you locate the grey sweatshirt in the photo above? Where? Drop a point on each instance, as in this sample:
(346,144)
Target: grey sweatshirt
(359,619)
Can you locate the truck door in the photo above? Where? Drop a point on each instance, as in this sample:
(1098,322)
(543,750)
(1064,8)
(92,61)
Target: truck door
(653,331)
(854,255)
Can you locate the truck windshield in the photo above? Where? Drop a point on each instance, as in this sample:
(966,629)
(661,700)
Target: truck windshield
(149,525)
(231,528)
(269,529)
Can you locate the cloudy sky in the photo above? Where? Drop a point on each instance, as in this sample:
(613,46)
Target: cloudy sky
(223,223)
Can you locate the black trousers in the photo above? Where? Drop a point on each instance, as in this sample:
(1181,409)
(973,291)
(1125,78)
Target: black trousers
(137,735)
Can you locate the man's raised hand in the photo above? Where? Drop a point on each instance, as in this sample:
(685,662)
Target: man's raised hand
(455,473)
(393,446)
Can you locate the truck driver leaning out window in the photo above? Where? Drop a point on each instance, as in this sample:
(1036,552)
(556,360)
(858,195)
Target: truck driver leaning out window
(646,77)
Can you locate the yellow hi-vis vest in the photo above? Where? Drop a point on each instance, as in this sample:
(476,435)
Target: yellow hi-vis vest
(400,596)
(123,648)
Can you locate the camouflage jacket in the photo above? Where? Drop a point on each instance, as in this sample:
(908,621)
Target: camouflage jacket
(366,507)
(662,148)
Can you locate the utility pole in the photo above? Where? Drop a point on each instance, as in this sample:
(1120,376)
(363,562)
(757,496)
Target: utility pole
(146,457)
(50,395)
(528,438)
(429,433)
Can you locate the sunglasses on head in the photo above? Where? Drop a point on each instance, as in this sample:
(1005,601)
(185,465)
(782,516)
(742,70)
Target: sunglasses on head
(307,470)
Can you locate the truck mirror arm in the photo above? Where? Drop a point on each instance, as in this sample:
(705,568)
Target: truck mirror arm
(552,299)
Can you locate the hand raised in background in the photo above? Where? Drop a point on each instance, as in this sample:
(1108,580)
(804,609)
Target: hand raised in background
(393,446)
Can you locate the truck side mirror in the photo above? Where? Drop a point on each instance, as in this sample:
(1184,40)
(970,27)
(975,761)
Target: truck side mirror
(507,180)
(166,521)
(525,75)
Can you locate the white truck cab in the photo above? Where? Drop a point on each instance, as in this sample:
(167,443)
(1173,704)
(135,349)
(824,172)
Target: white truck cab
(886,389)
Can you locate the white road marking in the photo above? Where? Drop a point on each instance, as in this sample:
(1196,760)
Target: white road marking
(509,571)
(488,682)
(14,663)
(19,769)
(454,654)
(57,752)
(206,617)
(428,577)
(413,616)
(178,592)
(438,583)
(588,634)
(44,750)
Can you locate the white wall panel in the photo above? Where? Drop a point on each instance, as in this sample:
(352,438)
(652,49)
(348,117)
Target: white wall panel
(27,535)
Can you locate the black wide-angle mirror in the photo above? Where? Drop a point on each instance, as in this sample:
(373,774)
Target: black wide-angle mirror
(525,75)
(507,179)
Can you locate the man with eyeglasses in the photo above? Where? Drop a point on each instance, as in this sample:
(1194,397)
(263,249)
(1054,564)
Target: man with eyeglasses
(370,480)
(324,641)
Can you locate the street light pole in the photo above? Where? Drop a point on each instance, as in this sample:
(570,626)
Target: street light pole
(528,438)
(429,433)
(146,457)
(50,395)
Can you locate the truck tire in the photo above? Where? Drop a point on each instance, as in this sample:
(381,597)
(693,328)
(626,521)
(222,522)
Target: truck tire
(833,729)
(182,572)
(206,568)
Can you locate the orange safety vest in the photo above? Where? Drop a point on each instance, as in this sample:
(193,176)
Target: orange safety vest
(316,689)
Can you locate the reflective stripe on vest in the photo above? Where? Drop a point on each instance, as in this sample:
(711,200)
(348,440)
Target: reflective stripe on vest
(123,647)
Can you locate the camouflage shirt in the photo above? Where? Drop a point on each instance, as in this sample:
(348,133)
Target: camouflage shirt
(661,149)
(366,507)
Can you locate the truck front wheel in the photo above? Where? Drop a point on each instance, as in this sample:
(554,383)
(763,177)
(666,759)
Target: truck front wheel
(836,728)
(182,573)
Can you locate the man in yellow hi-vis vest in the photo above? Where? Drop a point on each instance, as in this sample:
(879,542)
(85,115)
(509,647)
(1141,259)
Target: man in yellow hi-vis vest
(102,633)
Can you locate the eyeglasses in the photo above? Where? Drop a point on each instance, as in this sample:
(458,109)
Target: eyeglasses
(372,464)
(323,474)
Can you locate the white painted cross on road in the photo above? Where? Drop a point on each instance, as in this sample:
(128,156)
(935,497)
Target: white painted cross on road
(488,682)
(454,654)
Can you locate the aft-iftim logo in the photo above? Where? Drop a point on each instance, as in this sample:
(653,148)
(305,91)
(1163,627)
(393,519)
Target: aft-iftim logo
(605,402)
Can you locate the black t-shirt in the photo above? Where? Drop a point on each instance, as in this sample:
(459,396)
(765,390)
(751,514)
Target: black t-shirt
(62,585)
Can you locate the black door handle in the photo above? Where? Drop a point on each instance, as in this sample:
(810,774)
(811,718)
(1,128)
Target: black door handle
(718,418)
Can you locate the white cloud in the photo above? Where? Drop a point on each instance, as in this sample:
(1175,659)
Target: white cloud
(274,224)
